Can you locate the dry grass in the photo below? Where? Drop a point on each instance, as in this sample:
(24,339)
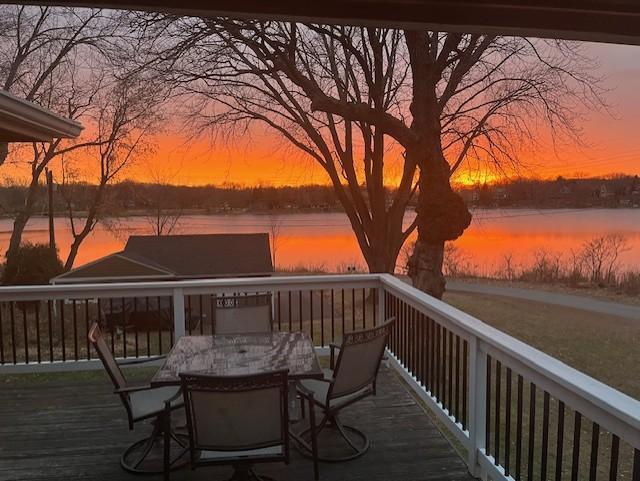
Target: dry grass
(605,347)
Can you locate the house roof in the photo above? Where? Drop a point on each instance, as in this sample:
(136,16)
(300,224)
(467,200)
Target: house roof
(22,121)
(592,20)
(179,257)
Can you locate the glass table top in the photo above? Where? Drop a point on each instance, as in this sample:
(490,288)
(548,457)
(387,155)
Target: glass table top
(236,355)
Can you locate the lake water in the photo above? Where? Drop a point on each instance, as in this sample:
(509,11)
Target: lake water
(325,239)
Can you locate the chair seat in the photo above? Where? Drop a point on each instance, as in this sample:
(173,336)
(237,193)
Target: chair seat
(273,451)
(150,402)
(320,389)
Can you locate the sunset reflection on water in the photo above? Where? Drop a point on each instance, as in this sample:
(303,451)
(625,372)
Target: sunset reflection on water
(325,240)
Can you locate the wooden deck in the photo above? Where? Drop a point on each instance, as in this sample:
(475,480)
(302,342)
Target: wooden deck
(65,427)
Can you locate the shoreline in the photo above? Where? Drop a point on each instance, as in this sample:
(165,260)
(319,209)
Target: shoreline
(302,210)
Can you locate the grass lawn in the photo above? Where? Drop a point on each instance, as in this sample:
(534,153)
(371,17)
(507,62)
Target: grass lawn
(605,347)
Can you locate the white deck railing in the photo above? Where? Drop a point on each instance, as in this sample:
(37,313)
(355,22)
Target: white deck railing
(492,392)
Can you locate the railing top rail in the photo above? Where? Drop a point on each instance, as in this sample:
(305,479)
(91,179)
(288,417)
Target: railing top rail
(132,289)
(599,394)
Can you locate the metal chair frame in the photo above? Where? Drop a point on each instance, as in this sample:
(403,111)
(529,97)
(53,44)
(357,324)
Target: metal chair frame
(157,434)
(242,464)
(331,411)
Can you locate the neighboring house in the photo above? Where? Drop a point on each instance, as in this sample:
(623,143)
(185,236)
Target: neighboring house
(178,257)
(170,258)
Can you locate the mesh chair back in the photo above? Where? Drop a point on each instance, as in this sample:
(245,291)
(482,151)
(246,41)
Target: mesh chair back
(243,314)
(359,359)
(108,361)
(236,413)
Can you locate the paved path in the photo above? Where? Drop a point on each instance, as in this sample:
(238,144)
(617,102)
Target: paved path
(559,299)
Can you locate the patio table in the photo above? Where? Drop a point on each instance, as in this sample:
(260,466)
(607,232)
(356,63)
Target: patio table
(236,355)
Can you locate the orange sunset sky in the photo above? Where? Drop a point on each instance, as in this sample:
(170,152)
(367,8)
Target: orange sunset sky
(612,143)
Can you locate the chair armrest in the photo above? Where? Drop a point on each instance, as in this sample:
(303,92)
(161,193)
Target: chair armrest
(304,392)
(175,397)
(332,358)
(131,362)
(128,389)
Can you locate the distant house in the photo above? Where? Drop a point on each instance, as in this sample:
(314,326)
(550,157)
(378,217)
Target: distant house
(178,257)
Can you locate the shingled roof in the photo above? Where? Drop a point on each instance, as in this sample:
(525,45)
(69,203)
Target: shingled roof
(173,257)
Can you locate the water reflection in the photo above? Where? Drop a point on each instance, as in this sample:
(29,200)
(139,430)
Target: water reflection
(325,239)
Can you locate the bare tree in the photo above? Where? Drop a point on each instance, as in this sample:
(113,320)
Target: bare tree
(600,257)
(163,217)
(237,87)
(275,239)
(123,117)
(40,50)
(446,99)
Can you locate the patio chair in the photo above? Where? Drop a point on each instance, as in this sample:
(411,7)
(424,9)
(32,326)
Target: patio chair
(237,421)
(352,377)
(245,314)
(141,402)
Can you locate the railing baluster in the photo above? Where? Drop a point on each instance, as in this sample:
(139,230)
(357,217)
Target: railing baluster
(135,326)
(36,307)
(333,317)
(457,379)
(146,305)
(613,459)
(519,408)
(12,321)
(364,309)
(487,441)
(321,317)
(290,309)
(201,309)
(593,463)
(545,435)
(300,307)
(507,422)
(450,379)
(88,344)
(112,326)
(560,441)
(353,309)
(438,344)
(497,412)
(124,327)
(74,318)
(311,326)
(86,328)
(189,313)
(342,316)
(25,332)
(36,310)
(160,347)
(465,382)
(532,430)
(62,333)
(279,312)
(575,465)
(374,305)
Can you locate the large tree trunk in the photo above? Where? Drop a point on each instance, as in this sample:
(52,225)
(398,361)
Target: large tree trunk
(20,221)
(442,216)
(426,267)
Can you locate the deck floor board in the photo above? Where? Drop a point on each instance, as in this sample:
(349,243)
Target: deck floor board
(76,429)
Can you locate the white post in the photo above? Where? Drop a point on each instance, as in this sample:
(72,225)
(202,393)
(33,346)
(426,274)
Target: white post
(381,305)
(477,406)
(178,313)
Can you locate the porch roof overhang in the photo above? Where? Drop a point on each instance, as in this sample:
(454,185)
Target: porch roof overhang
(23,121)
(614,21)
